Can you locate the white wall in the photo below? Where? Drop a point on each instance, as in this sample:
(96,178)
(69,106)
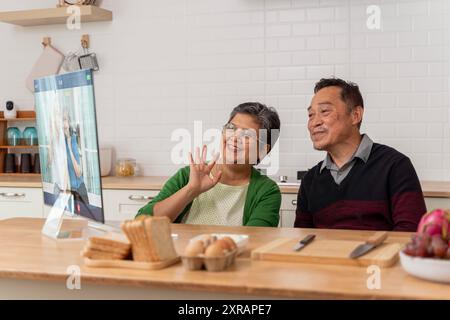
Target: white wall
(166,63)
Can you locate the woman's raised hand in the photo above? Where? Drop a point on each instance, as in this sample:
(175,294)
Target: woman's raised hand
(200,177)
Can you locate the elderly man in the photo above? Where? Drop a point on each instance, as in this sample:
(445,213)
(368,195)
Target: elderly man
(360,184)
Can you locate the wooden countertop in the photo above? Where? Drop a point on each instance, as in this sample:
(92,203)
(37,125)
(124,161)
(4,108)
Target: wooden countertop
(436,189)
(127,183)
(134,183)
(20,182)
(29,255)
(433,189)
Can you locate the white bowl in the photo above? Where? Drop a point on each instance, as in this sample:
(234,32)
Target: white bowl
(437,270)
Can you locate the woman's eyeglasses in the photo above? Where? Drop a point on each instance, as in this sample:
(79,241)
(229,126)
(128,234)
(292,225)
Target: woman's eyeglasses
(247,134)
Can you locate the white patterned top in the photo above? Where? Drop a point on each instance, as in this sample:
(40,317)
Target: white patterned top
(221,205)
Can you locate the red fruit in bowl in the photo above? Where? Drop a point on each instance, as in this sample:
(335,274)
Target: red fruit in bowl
(411,250)
(423,245)
(436,222)
(439,246)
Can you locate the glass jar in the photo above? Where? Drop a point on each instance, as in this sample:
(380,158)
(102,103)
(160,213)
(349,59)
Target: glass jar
(14,136)
(30,136)
(125,167)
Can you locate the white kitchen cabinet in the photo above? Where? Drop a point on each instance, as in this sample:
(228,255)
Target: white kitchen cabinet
(124,204)
(21,202)
(287,211)
(121,204)
(437,203)
(289,206)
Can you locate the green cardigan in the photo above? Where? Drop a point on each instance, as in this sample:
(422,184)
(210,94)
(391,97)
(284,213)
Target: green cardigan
(261,208)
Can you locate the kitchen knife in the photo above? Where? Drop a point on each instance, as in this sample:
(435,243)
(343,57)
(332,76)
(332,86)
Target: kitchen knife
(371,243)
(305,241)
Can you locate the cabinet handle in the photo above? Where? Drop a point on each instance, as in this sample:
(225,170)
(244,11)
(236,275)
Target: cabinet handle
(12,195)
(294,202)
(135,197)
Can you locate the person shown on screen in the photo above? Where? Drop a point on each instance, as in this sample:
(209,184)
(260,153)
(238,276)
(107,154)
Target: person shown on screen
(77,186)
(57,156)
(231,192)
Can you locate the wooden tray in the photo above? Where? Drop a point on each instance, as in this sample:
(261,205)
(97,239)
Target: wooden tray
(130,264)
(327,252)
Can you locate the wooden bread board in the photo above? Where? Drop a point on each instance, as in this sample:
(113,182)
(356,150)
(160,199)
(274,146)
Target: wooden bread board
(327,252)
(130,264)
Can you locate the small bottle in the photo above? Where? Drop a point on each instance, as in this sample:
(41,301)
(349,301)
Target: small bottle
(14,136)
(30,136)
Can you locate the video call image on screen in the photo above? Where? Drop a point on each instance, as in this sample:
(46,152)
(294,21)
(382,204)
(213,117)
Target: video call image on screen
(68,145)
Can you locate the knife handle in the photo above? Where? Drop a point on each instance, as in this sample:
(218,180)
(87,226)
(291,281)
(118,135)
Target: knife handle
(377,238)
(308,239)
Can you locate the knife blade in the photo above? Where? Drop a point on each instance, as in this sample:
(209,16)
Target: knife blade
(370,244)
(304,242)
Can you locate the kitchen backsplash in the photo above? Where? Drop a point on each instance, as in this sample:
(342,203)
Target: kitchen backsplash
(166,63)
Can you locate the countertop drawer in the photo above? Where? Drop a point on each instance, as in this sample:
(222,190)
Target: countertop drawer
(15,195)
(21,202)
(124,204)
(288,201)
(287,211)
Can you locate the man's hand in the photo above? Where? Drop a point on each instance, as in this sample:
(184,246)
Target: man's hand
(200,179)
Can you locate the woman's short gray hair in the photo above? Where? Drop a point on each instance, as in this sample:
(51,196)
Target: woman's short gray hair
(267,117)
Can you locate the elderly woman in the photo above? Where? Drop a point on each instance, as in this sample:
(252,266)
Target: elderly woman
(228,190)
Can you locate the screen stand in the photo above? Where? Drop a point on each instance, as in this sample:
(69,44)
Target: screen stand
(103,227)
(52,226)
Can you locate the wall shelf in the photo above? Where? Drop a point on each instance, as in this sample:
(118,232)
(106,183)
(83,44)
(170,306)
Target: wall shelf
(29,175)
(18,119)
(19,147)
(38,17)
(22,115)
